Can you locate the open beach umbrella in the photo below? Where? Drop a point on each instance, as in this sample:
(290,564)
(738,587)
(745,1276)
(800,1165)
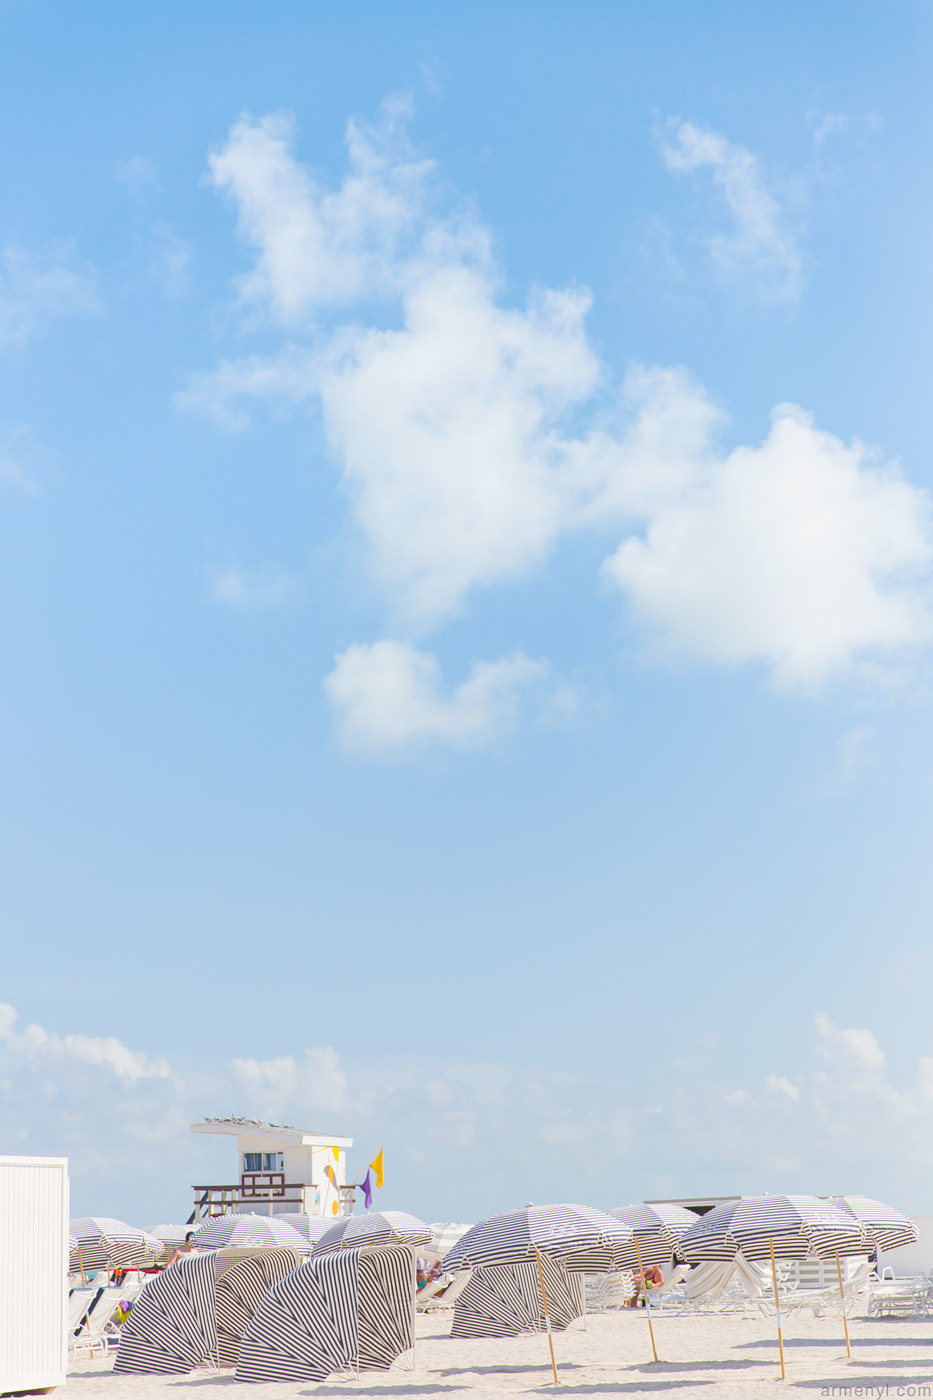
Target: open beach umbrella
(195,1313)
(171,1235)
(312,1227)
(104,1243)
(262,1231)
(884,1227)
(656,1232)
(771,1228)
(377,1227)
(445,1234)
(349,1309)
(583,1239)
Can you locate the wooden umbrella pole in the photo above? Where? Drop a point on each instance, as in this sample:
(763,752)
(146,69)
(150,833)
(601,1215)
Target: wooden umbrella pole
(641,1270)
(547,1319)
(842,1295)
(81,1267)
(777,1309)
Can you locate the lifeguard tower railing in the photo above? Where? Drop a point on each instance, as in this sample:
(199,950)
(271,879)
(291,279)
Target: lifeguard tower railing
(263,1192)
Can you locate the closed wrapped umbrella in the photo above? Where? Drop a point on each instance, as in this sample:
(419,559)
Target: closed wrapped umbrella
(583,1239)
(349,1308)
(376,1227)
(262,1231)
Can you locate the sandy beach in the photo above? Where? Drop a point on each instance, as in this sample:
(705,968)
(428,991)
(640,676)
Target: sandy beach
(718,1357)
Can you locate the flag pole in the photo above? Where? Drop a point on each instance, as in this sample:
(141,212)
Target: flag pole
(641,1270)
(777,1309)
(842,1295)
(547,1319)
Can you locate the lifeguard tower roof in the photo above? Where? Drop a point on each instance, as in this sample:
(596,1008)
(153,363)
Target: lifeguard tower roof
(280,1132)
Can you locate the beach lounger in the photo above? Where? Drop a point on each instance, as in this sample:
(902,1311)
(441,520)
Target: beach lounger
(900,1297)
(95,1330)
(448,1298)
(607,1292)
(429,1291)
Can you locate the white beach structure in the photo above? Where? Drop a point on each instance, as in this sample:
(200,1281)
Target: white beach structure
(280,1170)
(33,1273)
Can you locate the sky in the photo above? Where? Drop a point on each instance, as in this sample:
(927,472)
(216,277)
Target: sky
(466,580)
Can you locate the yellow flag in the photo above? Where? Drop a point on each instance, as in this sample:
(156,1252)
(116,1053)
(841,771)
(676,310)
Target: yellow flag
(330,1173)
(334,1208)
(336,1152)
(376,1165)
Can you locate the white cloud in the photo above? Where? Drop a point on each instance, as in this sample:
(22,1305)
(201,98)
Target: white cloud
(318,247)
(473,436)
(389,695)
(826,124)
(138,174)
(251,590)
(104,1051)
(762,246)
(779,1085)
(39,287)
(804,554)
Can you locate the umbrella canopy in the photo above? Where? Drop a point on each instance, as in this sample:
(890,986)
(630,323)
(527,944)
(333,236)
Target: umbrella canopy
(312,1227)
(348,1308)
(506,1301)
(445,1234)
(195,1313)
(884,1227)
(112,1244)
(262,1231)
(587,1240)
(171,1235)
(379,1227)
(657,1227)
(795,1225)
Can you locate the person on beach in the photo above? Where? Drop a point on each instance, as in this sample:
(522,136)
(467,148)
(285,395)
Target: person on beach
(181,1250)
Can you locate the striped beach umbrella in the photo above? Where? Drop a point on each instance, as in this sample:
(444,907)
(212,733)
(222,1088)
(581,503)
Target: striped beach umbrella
(783,1227)
(112,1244)
(657,1227)
(776,1227)
(506,1301)
(583,1239)
(884,1227)
(259,1231)
(350,1309)
(171,1235)
(312,1227)
(445,1234)
(377,1227)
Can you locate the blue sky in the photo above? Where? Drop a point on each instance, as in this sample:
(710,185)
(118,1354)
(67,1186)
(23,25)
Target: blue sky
(466,587)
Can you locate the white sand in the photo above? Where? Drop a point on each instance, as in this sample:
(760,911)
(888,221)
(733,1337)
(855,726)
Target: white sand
(719,1358)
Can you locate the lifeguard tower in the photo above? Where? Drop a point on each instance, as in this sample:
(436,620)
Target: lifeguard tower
(280,1169)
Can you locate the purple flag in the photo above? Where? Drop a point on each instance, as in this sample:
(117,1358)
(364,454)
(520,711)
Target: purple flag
(367,1190)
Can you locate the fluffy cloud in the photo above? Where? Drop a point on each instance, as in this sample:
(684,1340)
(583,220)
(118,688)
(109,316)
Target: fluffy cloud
(251,590)
(390,695)
(319,247)
(315,1082)
(761,246)
(105,1051)
(803,553)
(473,436)
(39,287)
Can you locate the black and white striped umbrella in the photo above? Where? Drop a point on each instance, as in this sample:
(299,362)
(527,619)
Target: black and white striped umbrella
(195,1313)
(586,1240)
(111,1244)
(261,1231)
(379,1227)
(445,1234)
(350,1309)
(506,1301)
(884,1227)
(657,1227)
(312,1227)
(795,1225)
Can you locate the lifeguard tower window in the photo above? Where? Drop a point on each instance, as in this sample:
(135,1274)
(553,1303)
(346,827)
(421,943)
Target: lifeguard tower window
(263,1161)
